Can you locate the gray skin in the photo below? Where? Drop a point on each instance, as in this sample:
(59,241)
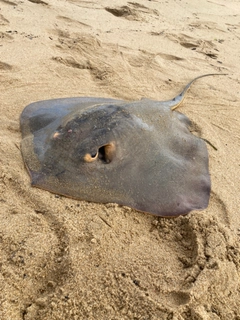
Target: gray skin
(139,154)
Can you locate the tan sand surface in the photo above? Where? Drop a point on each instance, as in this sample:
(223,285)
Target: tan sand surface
(66,259)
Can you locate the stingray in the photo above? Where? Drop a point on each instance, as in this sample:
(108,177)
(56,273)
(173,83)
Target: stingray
(139,154)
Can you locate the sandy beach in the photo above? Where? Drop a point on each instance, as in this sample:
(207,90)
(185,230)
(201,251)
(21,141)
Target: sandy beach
(62,258)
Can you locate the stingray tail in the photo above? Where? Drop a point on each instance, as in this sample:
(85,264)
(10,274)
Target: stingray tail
(175,102)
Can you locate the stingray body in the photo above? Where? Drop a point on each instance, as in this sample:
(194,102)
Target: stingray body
(140,154)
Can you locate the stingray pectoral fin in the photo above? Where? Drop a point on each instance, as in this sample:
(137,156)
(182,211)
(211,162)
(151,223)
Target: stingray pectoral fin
(38,115)
(175,204)
(37,179)
(48,182)
(175,102)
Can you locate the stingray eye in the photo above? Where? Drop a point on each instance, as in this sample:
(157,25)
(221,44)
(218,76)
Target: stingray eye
(90,157)
(106,153)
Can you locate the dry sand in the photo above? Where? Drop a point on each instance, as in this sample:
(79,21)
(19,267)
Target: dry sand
(68,259)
